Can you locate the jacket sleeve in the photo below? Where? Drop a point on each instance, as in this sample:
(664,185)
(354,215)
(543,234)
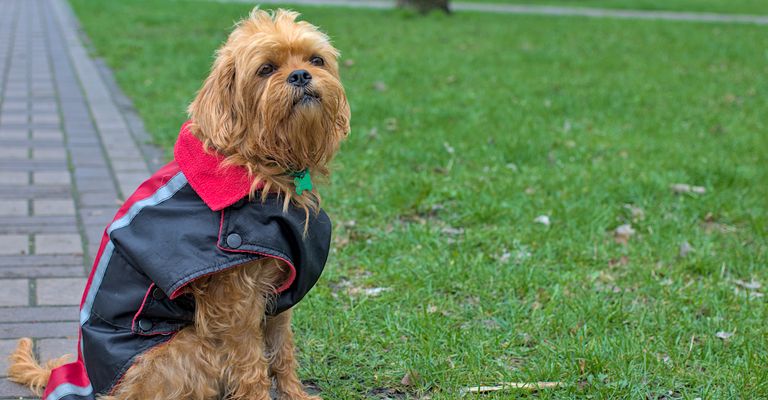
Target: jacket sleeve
(175,242)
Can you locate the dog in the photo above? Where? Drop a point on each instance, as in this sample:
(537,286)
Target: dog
(190,296)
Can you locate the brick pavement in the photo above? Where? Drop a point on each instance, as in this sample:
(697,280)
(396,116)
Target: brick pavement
(68,155)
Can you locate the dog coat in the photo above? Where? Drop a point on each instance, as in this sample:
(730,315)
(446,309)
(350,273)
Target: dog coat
(190,219)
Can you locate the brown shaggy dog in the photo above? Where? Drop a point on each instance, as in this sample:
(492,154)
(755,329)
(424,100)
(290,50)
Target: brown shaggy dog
(247,111)
(251,110)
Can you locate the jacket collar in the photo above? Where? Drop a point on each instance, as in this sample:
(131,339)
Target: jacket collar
(218,185)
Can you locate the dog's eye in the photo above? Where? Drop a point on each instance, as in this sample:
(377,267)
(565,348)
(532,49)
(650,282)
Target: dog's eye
(317,61)
(266,70)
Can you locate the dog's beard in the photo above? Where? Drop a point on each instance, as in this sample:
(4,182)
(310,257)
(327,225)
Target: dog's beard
(298,126)
(306,97)
(307,133)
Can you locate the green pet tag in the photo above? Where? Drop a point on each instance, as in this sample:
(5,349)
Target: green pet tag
(302,180)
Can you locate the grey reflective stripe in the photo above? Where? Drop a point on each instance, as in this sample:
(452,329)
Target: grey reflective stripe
(162,194)
(101,269)
(68,389)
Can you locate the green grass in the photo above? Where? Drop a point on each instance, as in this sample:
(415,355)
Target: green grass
(716,6)
(488,121)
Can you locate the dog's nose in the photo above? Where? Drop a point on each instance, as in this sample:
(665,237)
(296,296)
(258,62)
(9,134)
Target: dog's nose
(299,78)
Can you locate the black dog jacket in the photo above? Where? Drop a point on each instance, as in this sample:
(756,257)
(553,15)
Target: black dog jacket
(190,219)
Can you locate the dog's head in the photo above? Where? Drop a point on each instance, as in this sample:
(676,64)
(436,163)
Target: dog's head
(273,101)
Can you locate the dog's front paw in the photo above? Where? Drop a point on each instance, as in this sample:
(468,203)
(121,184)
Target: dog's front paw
(297,396)
(303,397)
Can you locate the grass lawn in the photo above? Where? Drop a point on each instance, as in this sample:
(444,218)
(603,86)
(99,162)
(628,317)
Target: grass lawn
(486,122)
(716,6)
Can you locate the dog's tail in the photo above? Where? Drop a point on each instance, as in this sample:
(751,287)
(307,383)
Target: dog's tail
(25,369)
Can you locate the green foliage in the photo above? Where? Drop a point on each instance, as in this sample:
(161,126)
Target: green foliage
(716,6)
(465,129)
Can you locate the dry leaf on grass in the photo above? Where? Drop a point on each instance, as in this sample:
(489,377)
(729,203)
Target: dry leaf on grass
(710,227)
(390,124)
(449,230)
(710,224)
(635,212)
(380,86)
(431,309)
(623,260)
(491,324)
(723,335)
(752,288)
(449,148)
(374,291)
(682,188)
(409,378)
(510,385)
(605,282)
(340,241)
(567,126)
(373,133)
(751,285)
(685,249)
(622,233)
(520,254)
(552,157)
(603,287)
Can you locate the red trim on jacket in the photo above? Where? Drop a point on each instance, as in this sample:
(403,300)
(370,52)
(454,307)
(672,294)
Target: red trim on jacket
(75,375)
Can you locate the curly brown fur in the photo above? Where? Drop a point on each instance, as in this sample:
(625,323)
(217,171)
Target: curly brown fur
(261,122)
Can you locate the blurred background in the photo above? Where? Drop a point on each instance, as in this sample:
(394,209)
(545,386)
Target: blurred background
(566,190)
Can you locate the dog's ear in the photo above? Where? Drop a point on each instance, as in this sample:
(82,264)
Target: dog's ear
(342,121)
(215,109)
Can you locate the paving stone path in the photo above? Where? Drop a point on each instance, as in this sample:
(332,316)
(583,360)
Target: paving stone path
(70,149)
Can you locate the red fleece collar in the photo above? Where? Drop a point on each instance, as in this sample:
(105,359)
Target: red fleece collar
(218,185)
